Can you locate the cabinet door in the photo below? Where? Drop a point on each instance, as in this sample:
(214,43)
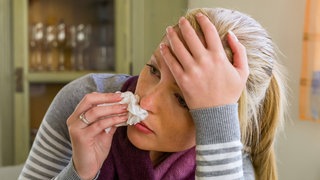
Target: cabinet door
(149,21)
(20,56)
(6,84)
(123,12)
(24,97)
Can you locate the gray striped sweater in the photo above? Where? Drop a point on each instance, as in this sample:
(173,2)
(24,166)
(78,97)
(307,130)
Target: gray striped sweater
(218,150)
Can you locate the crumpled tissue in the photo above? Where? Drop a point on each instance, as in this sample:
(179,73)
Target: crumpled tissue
(135,114)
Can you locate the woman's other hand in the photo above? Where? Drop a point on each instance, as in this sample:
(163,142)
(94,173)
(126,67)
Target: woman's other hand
(203,72)
(90,143)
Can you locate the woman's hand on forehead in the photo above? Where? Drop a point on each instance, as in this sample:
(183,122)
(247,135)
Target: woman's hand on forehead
(204,74)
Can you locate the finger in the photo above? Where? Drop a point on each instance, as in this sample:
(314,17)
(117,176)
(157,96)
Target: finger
(210,33)
(173,64)
(193,41)
(83,119)
(93,99)
(93,129)
(240,60)
(97,112)
(178,48)
(98,126)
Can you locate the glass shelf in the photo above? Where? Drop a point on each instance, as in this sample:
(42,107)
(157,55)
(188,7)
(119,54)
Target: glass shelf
(57,77)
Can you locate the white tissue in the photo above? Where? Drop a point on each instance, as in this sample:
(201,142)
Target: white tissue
(136,113)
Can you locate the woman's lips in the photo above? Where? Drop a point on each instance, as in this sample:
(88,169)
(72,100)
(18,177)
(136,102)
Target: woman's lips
(143,128)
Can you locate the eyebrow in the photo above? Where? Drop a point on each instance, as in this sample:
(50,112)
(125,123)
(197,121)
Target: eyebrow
(157,60)
(159,67)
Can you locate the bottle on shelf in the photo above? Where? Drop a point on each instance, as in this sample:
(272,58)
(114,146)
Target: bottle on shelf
(51,49)
(61,43)
(36,41)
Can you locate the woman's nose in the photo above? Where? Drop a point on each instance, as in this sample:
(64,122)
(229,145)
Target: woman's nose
(151,99)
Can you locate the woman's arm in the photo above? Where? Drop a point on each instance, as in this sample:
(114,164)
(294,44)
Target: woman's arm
(211,86)
(219,149)
(51,152)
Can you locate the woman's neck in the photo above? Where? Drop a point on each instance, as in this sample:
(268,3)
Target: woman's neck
(157,157)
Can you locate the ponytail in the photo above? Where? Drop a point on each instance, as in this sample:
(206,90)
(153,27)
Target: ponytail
(271,116)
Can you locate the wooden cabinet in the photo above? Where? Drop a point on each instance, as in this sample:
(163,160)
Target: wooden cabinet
(37,56)
(138,27)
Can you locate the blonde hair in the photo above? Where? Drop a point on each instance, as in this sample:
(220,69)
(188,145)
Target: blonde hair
(263,102)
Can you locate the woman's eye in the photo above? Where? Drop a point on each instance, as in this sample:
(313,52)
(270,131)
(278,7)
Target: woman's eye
(181,101)
(153,70)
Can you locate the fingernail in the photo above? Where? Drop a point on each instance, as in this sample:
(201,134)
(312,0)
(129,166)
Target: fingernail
(119,96)
(199,14)
(124,106)
(168,29)
(162,46)
(124,117)
(233,35)
(181,20)
(107,130)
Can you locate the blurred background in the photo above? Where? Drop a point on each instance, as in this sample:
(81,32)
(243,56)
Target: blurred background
(45,44)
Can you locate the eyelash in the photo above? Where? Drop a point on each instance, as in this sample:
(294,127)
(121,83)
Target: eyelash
(181,101)
(153,70)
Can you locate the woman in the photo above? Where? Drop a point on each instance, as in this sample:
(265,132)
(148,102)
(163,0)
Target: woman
(208,118)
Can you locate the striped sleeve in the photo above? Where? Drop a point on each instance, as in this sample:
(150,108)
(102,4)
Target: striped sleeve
(222,161)
(49,155)
(218,148)
(51,150)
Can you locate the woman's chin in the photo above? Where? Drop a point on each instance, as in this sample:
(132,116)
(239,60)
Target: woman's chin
(137,140)
(146,143)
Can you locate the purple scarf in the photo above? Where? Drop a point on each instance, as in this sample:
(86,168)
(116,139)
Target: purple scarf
(125,161)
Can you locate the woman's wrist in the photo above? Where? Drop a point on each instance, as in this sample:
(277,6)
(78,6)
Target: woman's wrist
(216,124)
